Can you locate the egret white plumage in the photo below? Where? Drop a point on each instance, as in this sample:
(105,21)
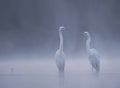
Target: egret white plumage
(60,56)
(93,55)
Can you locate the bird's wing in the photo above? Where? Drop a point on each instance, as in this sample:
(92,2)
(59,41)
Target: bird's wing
(94,57)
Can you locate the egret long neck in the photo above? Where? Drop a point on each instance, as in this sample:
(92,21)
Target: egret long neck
(88,43)
(61,40)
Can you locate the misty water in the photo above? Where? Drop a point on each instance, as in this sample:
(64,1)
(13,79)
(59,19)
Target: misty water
(44,74)
(29,34)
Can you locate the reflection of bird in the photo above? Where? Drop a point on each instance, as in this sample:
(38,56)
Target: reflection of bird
(60,56)
(93,54)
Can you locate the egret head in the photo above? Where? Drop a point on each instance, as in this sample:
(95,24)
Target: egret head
(86,34)
(61,28)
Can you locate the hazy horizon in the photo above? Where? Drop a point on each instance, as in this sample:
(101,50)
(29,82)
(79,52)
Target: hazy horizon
(30,27)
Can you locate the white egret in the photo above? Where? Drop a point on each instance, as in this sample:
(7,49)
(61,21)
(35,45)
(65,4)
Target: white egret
(60,56)
(94,57)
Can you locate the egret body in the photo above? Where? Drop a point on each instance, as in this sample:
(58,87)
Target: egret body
(60,56)
(93,55)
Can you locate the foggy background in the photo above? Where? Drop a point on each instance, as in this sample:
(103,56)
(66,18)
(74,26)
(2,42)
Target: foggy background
(29,28)
(29,39)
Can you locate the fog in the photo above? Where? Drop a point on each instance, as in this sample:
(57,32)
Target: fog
(29,39)
(30,28)
(44,74)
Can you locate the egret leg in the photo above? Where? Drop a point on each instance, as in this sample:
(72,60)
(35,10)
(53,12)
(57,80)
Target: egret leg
(61,79)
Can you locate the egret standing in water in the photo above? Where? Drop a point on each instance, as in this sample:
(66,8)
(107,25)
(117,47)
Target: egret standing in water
(94,57)
(60,56)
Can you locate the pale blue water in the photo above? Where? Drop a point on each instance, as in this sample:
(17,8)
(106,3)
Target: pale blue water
(44,74)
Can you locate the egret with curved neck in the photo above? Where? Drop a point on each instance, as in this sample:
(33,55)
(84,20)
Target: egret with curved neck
(60,56)
(61,38)
(88,41)
(94,57)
